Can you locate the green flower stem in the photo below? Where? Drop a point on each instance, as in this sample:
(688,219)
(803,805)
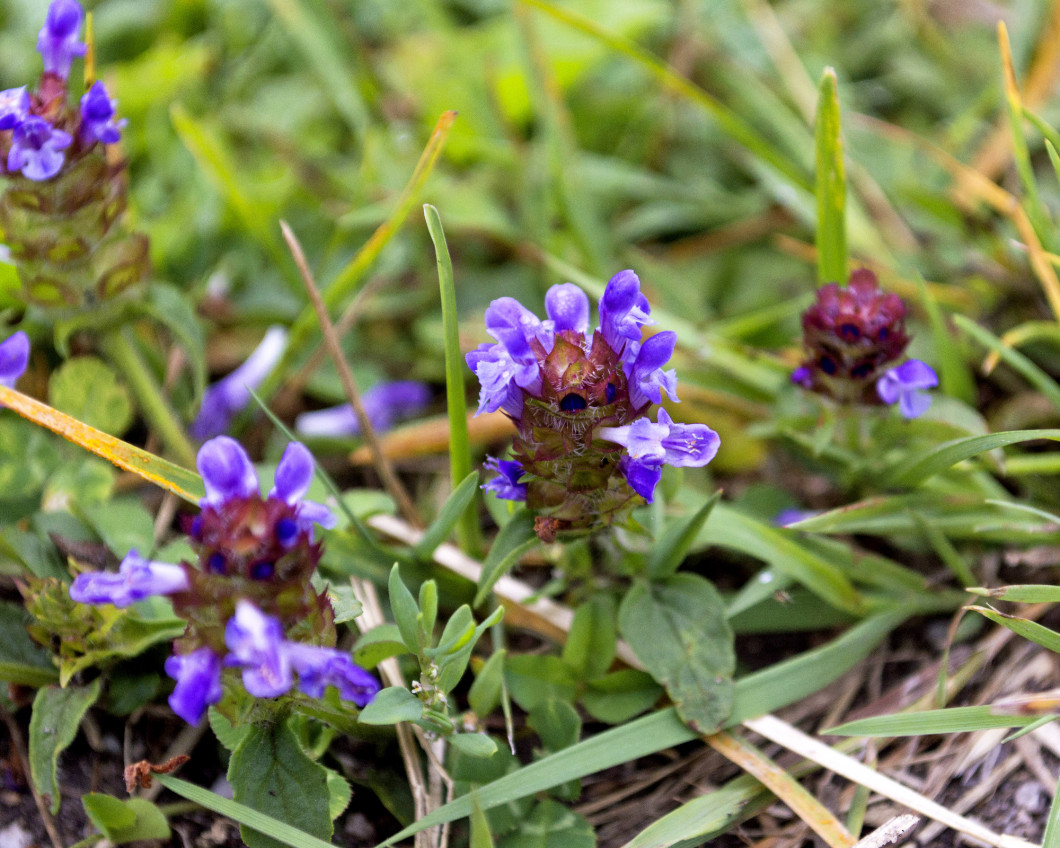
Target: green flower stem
(155,408)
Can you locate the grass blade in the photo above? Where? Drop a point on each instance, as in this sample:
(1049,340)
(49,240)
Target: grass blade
(1030,630)
(831,186)
(930,722)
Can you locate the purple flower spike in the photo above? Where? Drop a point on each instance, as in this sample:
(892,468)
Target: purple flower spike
(14,357)
(58,39)
(905,385)
(36,149)
(14,107)
(198,677)
(257,645)
(568,307)
(319,668)
(383,404)
(506,484)
(226,471)
(623,311)
(97,117)
(222,401)
(137,578)
(646,378)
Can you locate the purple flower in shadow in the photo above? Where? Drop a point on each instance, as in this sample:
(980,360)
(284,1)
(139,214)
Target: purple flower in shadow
(384,404)
(14,357)
(198,677)
(905,386)
(137,578)
(506,484)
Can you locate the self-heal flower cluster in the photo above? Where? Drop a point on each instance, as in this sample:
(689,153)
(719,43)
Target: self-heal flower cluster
(584,450)
(248,599)
(855,337)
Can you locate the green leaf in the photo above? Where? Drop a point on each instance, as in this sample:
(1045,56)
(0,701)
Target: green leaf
(379,643)
(343,602)
(919,467)
(122,524)
(40,558)
(455,506)
(57,714)
(1027,593)
(459,630)
(556,722)
(678,630)
(456,374)
(666,555)
(22,661)
(480,829)
(1022,627)
(592,638)
(125,821)
(227,733)
(551,825)
(831,186)
(516,537)
(931,722)
(620,695)
(756,694)
(127,637)
(261,822)
(405,610)
(391,705)
(88,389)
(339,793)
(270,772)
(485,693)
(473,744)
(533,678)
(1051,837)
(451,666)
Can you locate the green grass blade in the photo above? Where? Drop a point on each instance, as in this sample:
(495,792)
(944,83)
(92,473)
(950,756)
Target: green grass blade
(930,722)
(244,815)
(1030,630)
(756,694)
(831,185)
(1013,358)
(1026,593)
(917,469)
(456,506)
(1051,837)
(732,124)
(956,378)
(455,376)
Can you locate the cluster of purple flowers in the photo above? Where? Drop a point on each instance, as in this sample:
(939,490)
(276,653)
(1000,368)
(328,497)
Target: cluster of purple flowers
(248,602)
(38,131)
(854,336)
(578,398)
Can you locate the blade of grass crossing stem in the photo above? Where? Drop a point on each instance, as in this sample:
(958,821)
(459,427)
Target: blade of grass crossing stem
(467,529)
(180,481)
(260,822)
(347,282)
(731,124)
(756,694)
(831,185)
(1013,358)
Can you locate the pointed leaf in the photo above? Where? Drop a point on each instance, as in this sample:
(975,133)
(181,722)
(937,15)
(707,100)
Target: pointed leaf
(517,536)
(666,555)
(449,515)
(57,714)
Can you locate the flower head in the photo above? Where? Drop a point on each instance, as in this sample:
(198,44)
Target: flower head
(14,357)
(198,676)
(383,404)
(98,117)
(137,579)
(58,41)
(905,386)
(226,398)
(36,149)
(574,394)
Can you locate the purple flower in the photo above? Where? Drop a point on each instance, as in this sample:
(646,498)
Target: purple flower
(646,378)
(137,578)
(14,357)
(257,645)
(222,401)
(198,677)
(802,376)
(320,667)
(226,471)
(568,307)
(58,39)
(506,484)
(623,311)
(905,385)
(36,149)
(97,117)
(14,107)
(650,446)
(383,404)
(499,376)
(293,476)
